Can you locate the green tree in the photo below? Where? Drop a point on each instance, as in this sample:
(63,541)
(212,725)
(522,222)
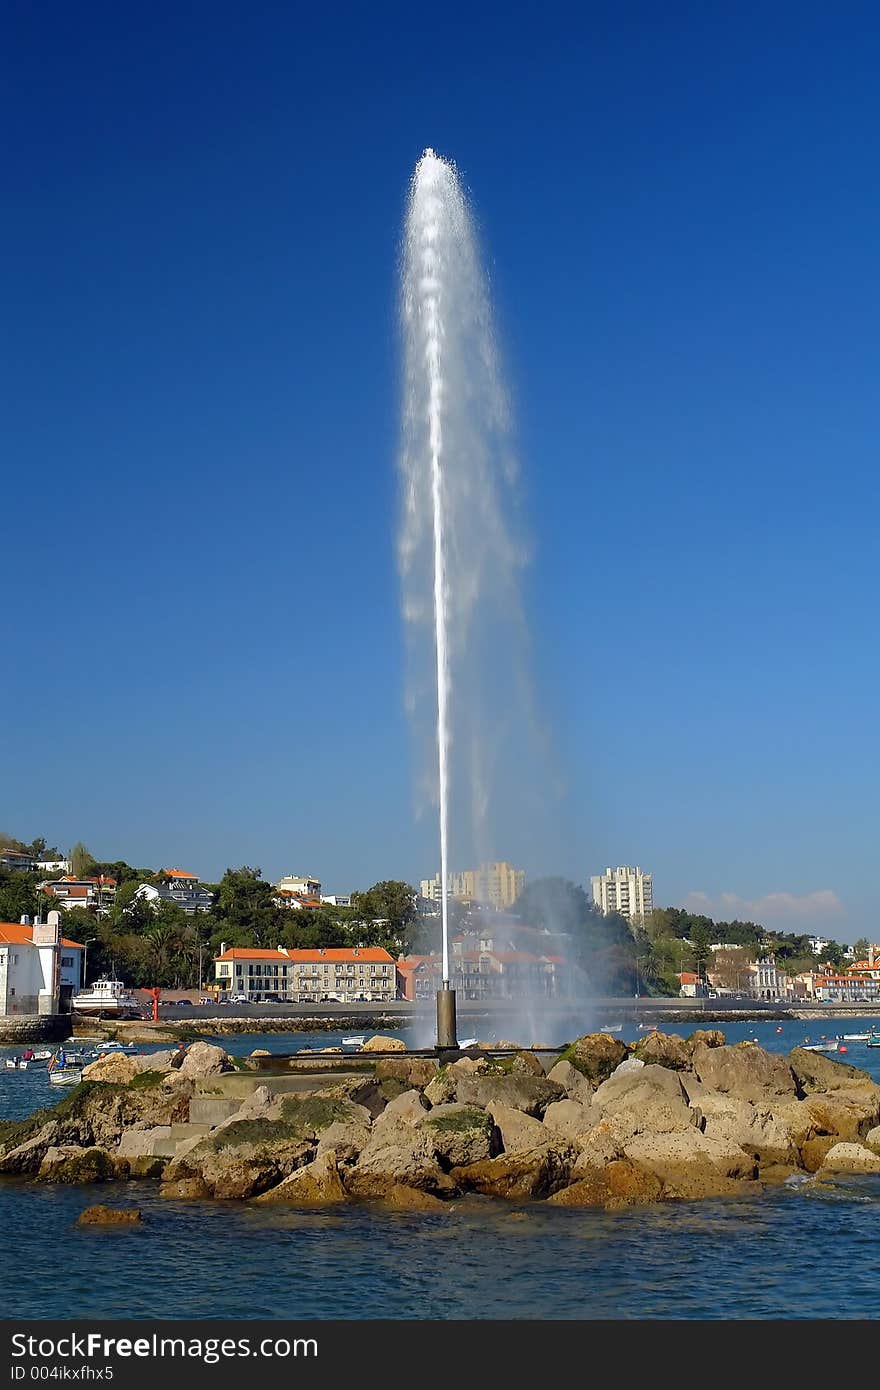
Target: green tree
(81,861)
(391,903)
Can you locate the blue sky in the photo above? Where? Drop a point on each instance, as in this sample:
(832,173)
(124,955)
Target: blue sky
(204,662)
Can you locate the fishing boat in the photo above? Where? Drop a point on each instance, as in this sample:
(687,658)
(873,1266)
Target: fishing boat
(831,1045)
(106,999)
(873,1040)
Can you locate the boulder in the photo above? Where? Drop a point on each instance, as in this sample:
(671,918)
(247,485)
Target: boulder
(851,1158)
(570,1118)
(243,1158)
(629,1064)
(708,1037)
(663,1049)
(516,1130)
(441,1090)
(756,1130)
(531,1094)
(397,1154)
(595,1055)
(744,1070)
(593,1150)
(526,1064)
(204,1059)
(185,1189)
(872,1139)
(573,1082)
(660,1080)
(69,1164)
(813,1151)
(690,1164)
(469,1066)
(846,1113)
(458,1134)
(100,1215)
(616,1184)
(118,1068)
(404,1111)
(400,1198)
(379,1043)
(415,1072)
(143,1143)
(818,1073)
(317,1184)
(344,1140)
(526,1173)
(27,1156)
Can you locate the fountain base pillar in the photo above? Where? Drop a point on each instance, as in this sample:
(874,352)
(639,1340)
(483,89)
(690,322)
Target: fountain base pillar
(446,1031)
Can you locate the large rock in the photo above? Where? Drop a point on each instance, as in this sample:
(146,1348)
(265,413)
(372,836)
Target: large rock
(441,1090)
(396,1154)
(661,1080)
(92,1114)
(757,1130)
(531,1094)
(70,1164)
(243,1158)
(400,1198)
(458,1134)
(709,1037)
(345,1141)
(118,1068)
(614,1185)
(318,1184)
(818,1073)
(527,1173)
(573,1082)
(412,1071)
(872,1139)
(380,1043)
(599,1146)
(847,1113)
(744,1070)
(405,1111)
(595,1055)
(851,1158)
(570,1118)
(100,1215)
(204,1059)
(526,1064)
(813,1151)
(663,1049)
(691,1164)
(516,1130)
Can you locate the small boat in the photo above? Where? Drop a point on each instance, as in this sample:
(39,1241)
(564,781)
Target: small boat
(831,1046)
(43,1055)
(873,1041)
(116,1047)
(647,1028)
(65,1076)
(16,1064)
(355,1042)
(611,1028)
(468,1042)
(855,1037)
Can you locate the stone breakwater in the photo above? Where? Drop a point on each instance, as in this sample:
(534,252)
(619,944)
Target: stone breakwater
(28,1028)
(599,1124)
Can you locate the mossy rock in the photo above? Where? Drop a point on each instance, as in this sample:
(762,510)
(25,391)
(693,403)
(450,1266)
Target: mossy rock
(146,1079)
(595,1055)
(462,1119)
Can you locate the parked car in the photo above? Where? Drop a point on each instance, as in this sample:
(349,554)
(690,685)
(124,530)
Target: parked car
(182,1003)
(238,999)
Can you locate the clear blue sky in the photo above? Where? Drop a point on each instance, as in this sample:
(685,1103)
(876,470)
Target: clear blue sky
(202,206)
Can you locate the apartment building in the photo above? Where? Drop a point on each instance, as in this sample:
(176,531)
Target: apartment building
(497,884)
(307,976)
(626,890)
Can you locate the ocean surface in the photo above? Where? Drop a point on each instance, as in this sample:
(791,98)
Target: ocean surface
(797,1252)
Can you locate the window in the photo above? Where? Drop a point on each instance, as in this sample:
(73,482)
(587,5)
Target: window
(67,960)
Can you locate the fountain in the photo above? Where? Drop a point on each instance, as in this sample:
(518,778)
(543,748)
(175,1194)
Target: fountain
(459,558)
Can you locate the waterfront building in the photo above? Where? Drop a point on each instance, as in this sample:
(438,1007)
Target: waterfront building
(480,974)
(39,968)
(626,890)
(307,976)
(691,986)
(765,981)
(496,884)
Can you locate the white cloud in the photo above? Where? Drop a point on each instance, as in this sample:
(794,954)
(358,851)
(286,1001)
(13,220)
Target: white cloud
(781,909)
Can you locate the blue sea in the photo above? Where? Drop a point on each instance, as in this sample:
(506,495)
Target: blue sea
(797,1252)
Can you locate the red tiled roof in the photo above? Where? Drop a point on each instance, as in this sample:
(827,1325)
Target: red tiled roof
(17,934)
(308,957)
(178,873)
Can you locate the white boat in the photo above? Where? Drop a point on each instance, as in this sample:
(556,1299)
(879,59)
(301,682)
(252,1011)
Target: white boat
(611,1028)
(116,1047)
(831,1046)
(855,1037)
(355,1042)
(43,1055)
(65,1076)
(468,1042)
(16,1064)
(106,998)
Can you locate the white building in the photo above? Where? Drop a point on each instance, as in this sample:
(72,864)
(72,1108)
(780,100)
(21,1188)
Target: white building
(307,976)
(299,887)
(818,944)
(337,899)
(54,866)
(765,981)
(625,890)
(39,968)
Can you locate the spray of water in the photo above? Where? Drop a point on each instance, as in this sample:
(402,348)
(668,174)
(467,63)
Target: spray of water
(462,549)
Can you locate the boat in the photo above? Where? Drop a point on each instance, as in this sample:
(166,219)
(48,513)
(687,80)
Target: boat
(106,999)
(65,1076)
(830,1046)
(355,1042)
(468,1042)
(116,1047)
(647,1028)
(16,1064)
(873,1040)
(611,1028)
(855,1037)
(43,1055)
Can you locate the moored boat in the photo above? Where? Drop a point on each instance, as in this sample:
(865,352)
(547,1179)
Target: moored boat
(65,1076)
(355,1042)
(831,1046)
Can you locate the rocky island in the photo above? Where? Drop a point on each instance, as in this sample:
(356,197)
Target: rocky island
(599,1123)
